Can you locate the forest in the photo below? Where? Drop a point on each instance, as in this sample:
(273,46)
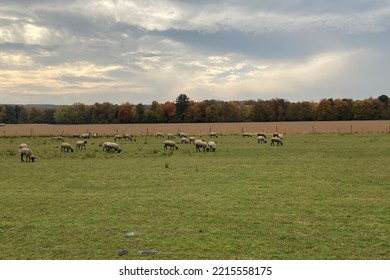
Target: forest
(184,110)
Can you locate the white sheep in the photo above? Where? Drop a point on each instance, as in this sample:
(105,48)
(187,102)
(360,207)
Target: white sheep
(212,146)
(85,135)
(192,139)
(184,140)
(170,136)
(201,144)
(66,147)
(118,137)
(128,137)
(261,139)
(247,134)
(58,138)
(27,153)
(182,134)
(213,134)
(276,140)
(23,145)
(109,146)
(170,144)
(81,144)
(159,134)
(279,135)
(262,134)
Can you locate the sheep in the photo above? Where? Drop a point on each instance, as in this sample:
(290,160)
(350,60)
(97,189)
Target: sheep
(191,139)
(118,137)
(261,139)
(66,147)
(23,145)
(182,134)
(262,134)
(171,144)
(85,135)
(81,144)
(246,134)
(212,146)
(109,146)
(28,153)
(128,137)
(159,134)
(276,140)
(184,140)
(58,138)
(170,136)
(276,134)
(213,134)
(201,144)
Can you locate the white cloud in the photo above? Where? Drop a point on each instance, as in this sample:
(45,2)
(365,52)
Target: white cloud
(140,51)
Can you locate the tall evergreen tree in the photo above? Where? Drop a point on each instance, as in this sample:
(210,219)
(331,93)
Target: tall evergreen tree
(181,102)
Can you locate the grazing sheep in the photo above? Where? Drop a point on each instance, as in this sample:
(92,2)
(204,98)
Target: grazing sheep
(27,153)
(201,144)
(76,136)
(170,144)
(192,139)
(261,139)
(279,135)
(58,138)
(109,146)
(276,140)
(118,137)
(182,134)
(81,144)
(128,137)
(95,135)
(170,136)
(213,134)
(159,134)
(66,147)
(212,146)
(262,134)
(246,134)
(85,135)
(23,145)
(184,140)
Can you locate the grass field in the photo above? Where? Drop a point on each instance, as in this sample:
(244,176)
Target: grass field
(316,197)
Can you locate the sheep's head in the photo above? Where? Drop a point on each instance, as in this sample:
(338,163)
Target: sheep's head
(32,158)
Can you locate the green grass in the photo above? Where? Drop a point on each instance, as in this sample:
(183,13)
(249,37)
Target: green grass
(316,197)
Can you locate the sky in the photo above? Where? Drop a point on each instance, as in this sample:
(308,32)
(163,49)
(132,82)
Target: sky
(117,51)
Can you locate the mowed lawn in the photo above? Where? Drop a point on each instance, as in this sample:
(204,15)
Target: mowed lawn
(315,197)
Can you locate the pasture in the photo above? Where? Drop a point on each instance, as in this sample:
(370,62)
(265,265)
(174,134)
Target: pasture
(315,197)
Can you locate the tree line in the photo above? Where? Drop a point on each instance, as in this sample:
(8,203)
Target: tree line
(187,111)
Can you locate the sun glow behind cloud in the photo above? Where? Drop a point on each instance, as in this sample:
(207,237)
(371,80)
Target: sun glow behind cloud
(140,51)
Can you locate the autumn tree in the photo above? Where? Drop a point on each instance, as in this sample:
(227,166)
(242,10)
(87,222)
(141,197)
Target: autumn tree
(125,113)
(169,111)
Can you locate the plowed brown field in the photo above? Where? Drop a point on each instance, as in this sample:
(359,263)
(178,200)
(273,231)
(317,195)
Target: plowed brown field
(326,127)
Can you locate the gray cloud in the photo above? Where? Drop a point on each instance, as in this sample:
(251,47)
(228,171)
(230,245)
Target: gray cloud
(140,51)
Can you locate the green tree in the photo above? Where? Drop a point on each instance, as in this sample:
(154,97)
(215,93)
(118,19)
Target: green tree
(181,102)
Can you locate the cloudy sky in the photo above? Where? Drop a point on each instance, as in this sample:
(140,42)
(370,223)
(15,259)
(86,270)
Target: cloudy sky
(63,52)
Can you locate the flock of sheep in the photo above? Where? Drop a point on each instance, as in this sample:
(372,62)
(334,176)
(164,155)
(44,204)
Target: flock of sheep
(184,139)
(27,155)
(277,138)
